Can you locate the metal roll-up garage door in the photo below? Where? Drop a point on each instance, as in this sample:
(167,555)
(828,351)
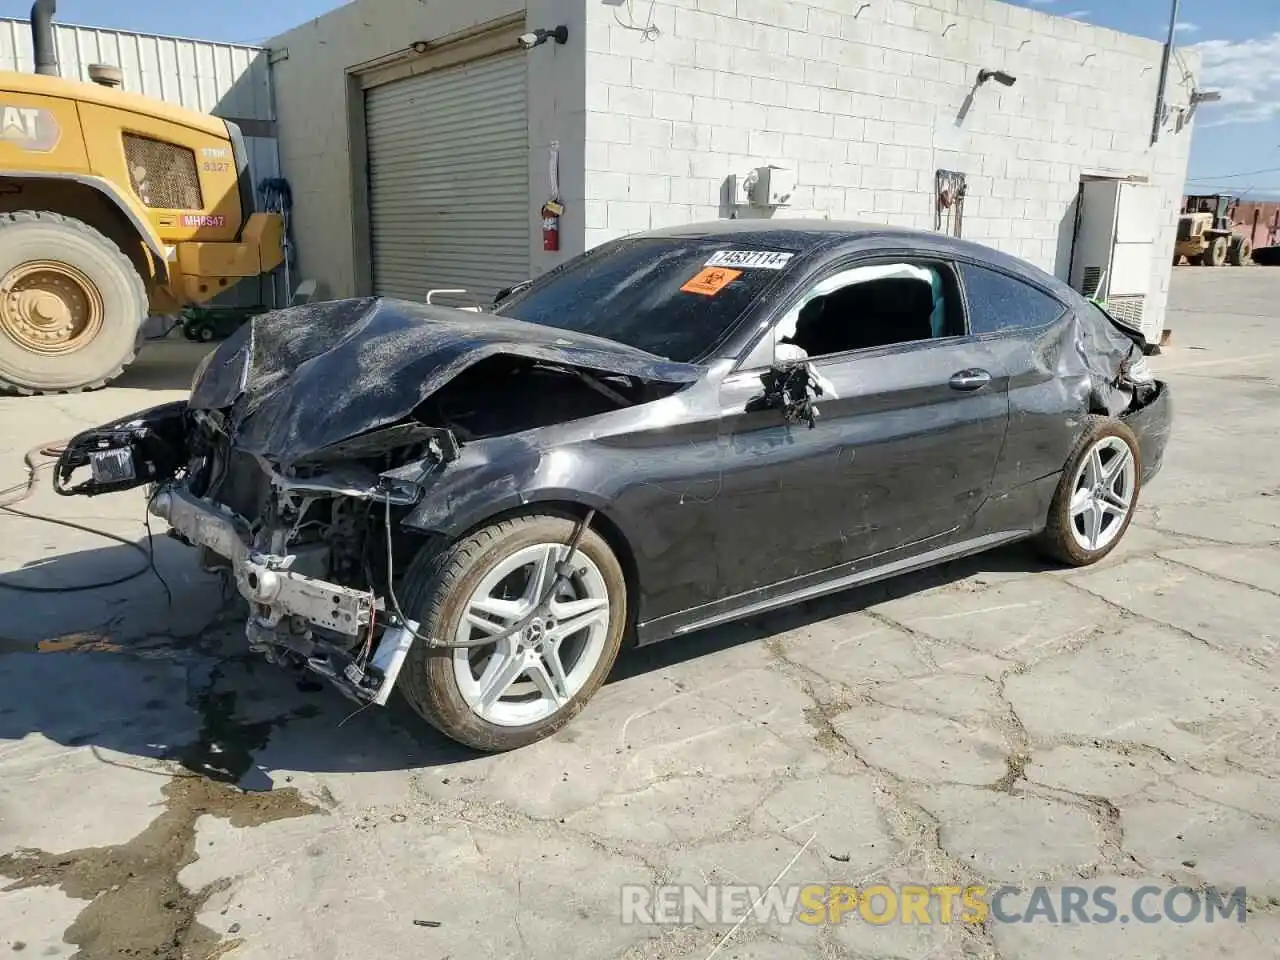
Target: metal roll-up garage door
(449,181)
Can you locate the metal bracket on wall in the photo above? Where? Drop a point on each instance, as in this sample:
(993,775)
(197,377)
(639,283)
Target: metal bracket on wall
(949,193)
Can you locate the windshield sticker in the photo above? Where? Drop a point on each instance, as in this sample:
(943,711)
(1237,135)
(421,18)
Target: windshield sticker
(755,259)
(711,281)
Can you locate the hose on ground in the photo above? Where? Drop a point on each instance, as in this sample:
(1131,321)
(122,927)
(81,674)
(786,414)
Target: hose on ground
(19,492)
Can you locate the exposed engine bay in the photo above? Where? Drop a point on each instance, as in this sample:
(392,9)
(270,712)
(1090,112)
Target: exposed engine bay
(305,517)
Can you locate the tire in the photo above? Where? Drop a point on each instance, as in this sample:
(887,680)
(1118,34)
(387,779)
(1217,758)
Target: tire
(1216,255)
(1061,539)
(1241,252)
(205,335)
(29,236)
(439,585)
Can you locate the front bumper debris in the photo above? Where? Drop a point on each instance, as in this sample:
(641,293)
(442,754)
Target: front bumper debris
(143,448)
(279,597)
(262,579)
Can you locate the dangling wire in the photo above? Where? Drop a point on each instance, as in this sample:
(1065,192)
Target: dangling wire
(649,31)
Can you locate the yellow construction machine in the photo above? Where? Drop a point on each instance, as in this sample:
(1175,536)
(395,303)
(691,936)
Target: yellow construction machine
(113,207)
(1207,234)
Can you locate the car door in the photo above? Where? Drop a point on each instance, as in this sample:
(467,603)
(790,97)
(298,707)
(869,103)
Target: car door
(902,452)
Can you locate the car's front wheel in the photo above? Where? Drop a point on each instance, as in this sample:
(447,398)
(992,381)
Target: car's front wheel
(1097,495)
(520,689)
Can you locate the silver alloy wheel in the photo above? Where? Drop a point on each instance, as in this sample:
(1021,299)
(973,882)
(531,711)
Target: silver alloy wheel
(1102,495)
(532,674)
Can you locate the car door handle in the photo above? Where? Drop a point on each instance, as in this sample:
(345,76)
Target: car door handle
(970,380)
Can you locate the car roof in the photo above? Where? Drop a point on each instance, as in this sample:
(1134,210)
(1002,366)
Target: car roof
(804,236)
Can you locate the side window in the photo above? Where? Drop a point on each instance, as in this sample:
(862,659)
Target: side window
(870,306)
(998,302)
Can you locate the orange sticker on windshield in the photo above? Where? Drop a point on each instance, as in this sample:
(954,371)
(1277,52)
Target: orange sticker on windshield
(711,281)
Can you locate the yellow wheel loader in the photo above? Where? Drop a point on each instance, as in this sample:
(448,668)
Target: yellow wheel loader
(113,207)
(1207,233)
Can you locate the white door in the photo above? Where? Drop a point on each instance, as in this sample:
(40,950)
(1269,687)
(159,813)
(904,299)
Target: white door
(449,181)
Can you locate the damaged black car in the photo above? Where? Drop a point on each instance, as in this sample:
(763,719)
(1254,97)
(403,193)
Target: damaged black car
(671,431)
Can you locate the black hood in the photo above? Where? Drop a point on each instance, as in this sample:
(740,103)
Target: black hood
(300,379)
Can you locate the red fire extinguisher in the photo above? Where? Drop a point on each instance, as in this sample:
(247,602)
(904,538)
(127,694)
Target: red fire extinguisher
(551,212)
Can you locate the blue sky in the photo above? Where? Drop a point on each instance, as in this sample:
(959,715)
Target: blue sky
(1240,41)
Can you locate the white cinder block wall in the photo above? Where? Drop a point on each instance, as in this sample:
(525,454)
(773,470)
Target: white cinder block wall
(861,98)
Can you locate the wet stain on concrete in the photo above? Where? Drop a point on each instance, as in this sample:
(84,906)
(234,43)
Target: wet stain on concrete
(83,642)
(225,748)
(79,643)
(137,906)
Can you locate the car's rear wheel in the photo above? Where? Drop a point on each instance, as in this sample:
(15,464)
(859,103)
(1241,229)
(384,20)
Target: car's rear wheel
(521,689)
(1097,495)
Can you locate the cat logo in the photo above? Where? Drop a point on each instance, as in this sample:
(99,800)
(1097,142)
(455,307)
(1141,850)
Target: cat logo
(29,128)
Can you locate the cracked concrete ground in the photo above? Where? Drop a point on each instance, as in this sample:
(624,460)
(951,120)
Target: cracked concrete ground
(993,721)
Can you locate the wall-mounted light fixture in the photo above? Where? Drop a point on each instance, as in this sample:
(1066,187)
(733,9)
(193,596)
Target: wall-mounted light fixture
(999,76)
(530,40)
(1198,97)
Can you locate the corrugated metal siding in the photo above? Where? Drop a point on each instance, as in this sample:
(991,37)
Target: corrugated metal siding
(219,78)
(449,180)
(226,80)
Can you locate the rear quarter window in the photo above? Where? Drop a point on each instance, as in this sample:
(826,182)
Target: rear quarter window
(998,302)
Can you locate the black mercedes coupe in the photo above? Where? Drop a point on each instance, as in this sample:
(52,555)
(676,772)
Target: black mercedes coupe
(671,431)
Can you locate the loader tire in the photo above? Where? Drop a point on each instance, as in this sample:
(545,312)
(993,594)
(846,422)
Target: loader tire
(1241,252)
(71,305)
(1216,255)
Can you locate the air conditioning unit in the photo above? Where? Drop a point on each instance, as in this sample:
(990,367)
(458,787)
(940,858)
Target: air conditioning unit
(764,187)
(1115,247)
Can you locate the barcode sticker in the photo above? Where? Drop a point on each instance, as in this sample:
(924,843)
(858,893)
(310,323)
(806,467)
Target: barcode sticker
(750,259)
(111,466)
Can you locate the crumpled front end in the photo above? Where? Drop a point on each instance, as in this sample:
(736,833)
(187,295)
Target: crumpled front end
(304,547)
(298,382)
(305,553)
(312,433)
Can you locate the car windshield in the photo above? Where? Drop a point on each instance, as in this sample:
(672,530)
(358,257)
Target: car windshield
(673,297)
